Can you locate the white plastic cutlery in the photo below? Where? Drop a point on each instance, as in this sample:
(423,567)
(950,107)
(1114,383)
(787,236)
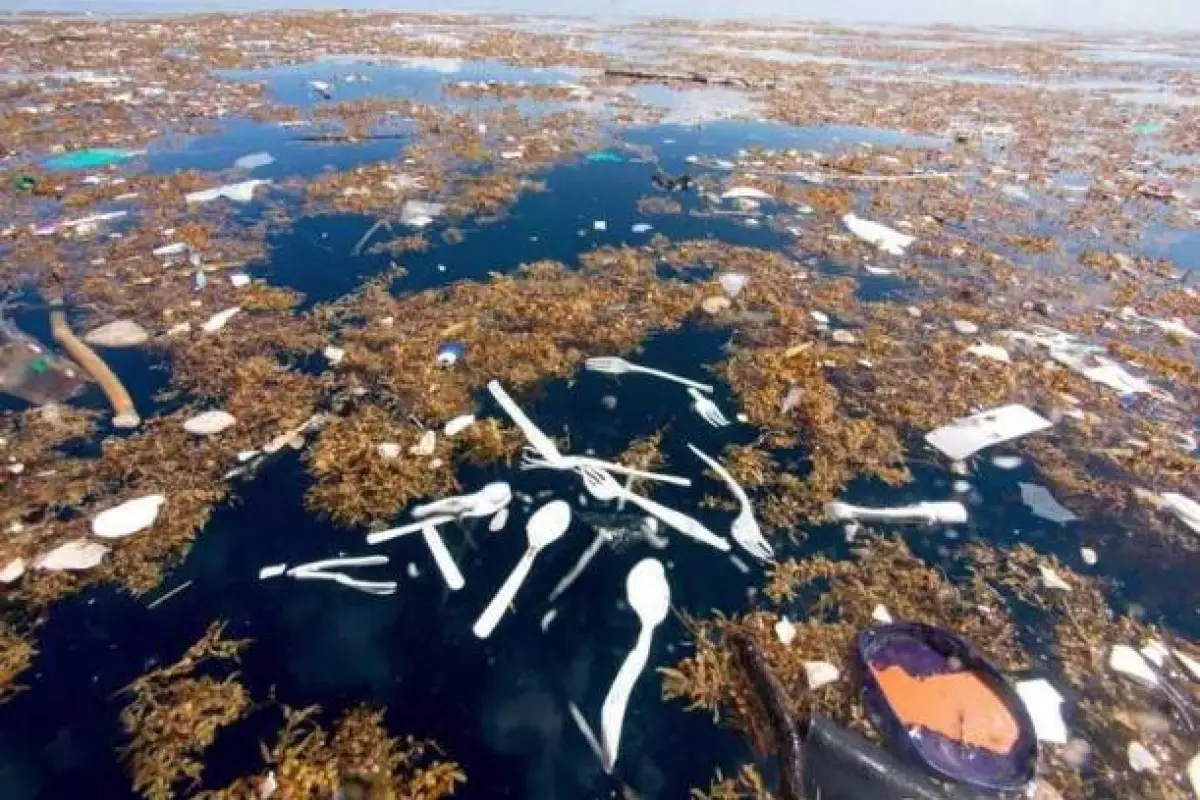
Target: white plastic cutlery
(545,527)
(540,441)
(611,365)
(745,528)
(531,461)
(379,537)
(603,486)
(708,410)
(484,503)
(318,570)
(443,559)
(951,512)
(649,596)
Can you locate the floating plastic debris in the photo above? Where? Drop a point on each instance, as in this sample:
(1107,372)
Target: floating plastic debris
(785,630)
(1044,505)
(118,333)
(1141,759)
(965,327)
(425,445)
(1089,556)
(388,450)
(1044,704)
(885,238)
(641,227)
(951,512)
(449,353)
(1129,662)
(209,423)
(1052,580)
(458,425)
(128,518)
(12,571)
(272,571)
(333,355)
(967,436)
(1185,508)
(994,352)
(78,554)
(820,673)
(242,192)
(746,193)
(91,158)
(254,161)
(219,320)
(881,615)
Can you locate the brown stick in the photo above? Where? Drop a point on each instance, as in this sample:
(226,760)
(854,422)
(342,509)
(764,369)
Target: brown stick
(124,414)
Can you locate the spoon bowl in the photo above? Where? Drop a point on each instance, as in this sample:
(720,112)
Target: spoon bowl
(548,523)
(647,591)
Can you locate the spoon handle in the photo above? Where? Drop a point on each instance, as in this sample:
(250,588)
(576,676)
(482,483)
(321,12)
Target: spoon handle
(540,441)
(612,714)
(670,376)
(442,557)
(491,615)
(404,530)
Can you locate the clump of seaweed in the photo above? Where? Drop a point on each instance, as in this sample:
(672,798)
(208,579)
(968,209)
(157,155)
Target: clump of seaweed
(359,761)
(16,654)
(175,713)
(748,784)
(840,598)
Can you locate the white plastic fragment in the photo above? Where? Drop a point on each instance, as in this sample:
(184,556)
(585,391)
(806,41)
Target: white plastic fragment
(948,511)
(967,436)
(965,327)
(425,445)
(733,283)
(747,193)
(785,630)
(12,570)
(1129,662)
(173,249)
(271,571)
(1044,505)
(254,161)
(78,554)
(885,238)
(1007,462)
(209,423)
(498,521)
(844,337)
(1044,704)
(220,319)
(820,673)
(128,518)
(1089,556)
(1141,759)
(119,333)
(994,352)
(333,355)
(881,615)
(1052,580)
(240,280)
(388,450)
(819,317)
(1193,775)
(458,425)
(419,213)
(179,328)
(242,192)
(641,227)
(600,225)
(268,787)
(1185,508)
(878,270)
(547,618)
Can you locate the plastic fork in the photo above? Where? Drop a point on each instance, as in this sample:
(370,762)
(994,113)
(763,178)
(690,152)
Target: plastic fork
(708,410)
(745,530)
(530,460)
(603,486)
(611,365)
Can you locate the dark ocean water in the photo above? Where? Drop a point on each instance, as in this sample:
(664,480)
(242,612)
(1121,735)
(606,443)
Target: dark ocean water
(498,707)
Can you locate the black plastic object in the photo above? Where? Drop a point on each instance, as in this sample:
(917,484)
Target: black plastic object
(841,765)
(923,650)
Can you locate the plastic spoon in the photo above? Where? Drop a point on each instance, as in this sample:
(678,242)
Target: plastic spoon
(649,596)
(546,525)
(484,503)
(392,533)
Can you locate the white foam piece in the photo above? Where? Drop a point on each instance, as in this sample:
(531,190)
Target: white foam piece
(966,436)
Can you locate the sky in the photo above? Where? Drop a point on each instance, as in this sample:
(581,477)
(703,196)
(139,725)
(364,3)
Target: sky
(1109,15)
